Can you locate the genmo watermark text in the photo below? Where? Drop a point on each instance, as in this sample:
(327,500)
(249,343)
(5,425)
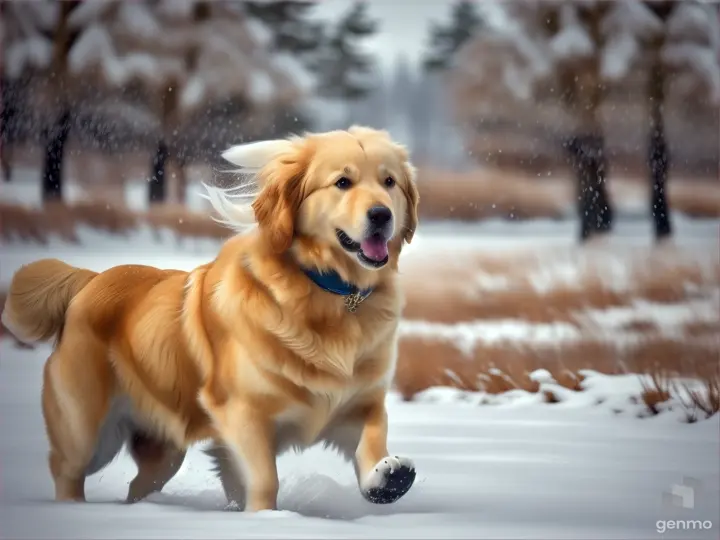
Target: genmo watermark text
(664,525)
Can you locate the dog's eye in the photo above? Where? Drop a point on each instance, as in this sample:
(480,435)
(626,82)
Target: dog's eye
(389,182)
(344,183)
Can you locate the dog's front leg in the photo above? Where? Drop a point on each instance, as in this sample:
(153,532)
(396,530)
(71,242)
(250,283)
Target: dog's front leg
(382,478)
(249,435)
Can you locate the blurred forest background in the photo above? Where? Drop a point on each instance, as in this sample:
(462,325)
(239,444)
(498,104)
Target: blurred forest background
(555,109)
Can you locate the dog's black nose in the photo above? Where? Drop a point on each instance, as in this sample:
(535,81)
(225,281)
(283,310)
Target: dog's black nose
(379,215)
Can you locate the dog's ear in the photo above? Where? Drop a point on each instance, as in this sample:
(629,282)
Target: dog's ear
(413,199)
(255,155)
(278,203)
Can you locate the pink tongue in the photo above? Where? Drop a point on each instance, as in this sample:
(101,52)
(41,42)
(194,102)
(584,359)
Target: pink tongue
(374,248)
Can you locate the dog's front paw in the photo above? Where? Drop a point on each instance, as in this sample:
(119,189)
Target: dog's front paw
(391,478)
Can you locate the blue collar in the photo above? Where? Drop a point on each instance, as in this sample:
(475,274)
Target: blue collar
(332,282)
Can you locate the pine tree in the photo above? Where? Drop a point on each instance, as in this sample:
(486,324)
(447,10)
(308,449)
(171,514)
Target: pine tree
(446,40)
(288,22)
(294,33)
(343,71)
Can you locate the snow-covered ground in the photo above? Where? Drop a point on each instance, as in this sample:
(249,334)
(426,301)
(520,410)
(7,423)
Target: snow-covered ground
(514,470)
(507,467)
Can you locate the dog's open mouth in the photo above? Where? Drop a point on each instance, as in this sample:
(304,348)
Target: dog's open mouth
(372,251)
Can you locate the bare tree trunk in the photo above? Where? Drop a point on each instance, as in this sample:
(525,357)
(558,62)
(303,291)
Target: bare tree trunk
(157,191)
(5,162)
(181,181)
(587,155)
(52,176)
(586,149)
(658,152)
(52,179)
(9,112)
(157,186)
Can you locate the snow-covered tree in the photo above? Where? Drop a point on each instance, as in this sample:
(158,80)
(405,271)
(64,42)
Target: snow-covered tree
(185,54)
(345,74)
(178,59)
(344,71)
(683,50)
(446,39)
(289,23)
(573,54)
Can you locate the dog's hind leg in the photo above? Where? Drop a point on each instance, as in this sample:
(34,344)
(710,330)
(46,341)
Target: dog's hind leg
(77,392)
(229,474)
(157,461)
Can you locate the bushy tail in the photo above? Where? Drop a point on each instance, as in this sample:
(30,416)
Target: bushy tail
(39,296)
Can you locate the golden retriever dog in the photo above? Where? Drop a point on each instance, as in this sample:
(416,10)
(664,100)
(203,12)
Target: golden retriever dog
(287,339)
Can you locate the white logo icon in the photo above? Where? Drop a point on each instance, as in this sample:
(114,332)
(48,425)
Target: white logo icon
(682,495)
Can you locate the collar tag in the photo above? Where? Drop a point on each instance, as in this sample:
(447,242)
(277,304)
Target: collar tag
(352,301)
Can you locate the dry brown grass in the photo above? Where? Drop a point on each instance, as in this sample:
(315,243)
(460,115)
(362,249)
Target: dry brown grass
(103,216)
(641,327)
(699,400)
(526,304)
(695,198)
(570,380)
(656,390)
(19,223)
(26,224)
(59,219)
(427,361)
(701,329)
(185,223)
(452,300)
(481,195)
(705,400)
(504,192)
(550,397)
(661,276)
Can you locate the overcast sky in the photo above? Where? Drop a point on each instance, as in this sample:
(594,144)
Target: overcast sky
(403,25)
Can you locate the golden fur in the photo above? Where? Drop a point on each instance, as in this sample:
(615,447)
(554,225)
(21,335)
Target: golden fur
(245,350)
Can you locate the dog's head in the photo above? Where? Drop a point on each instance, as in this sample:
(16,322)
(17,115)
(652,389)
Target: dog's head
(351,191)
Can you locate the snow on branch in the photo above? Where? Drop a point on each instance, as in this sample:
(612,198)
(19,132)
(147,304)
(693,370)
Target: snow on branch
(92,46)
(137,17)
(86,13)
(35,51)
(572,42)
(701,61)
(538,39)
(24,27)
(633,18)
(694,22)
(205,51)
(692,46)
(618,55)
